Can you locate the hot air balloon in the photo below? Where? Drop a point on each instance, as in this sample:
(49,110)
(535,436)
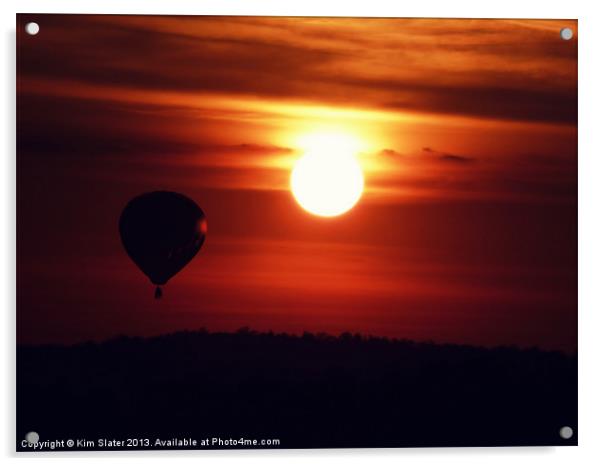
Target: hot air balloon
(162,231)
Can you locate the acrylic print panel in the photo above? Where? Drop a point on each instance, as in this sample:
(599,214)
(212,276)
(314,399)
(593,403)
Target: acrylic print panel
(269,232)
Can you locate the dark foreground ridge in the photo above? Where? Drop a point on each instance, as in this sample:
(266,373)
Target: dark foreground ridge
(308,391)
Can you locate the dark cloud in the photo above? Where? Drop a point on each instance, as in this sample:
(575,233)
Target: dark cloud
(114,54)
(507,103)
(455,158)
(107,128)
(255,148)
(390,153)
(447,157)
(339,61)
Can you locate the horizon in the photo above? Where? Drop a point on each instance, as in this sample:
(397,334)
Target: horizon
(345,336)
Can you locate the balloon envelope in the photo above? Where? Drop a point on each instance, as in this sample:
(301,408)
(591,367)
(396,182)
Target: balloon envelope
(162,231)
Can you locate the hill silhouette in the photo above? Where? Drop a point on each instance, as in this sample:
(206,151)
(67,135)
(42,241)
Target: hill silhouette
(308,391)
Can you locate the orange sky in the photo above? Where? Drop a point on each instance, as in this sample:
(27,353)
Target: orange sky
(467,228)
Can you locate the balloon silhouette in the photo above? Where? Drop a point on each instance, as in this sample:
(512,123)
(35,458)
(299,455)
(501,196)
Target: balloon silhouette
(162,231)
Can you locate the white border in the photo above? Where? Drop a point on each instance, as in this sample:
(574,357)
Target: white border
(424,8)
(590,218)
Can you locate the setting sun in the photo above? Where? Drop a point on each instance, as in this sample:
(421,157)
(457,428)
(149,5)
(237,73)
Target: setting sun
(327,180)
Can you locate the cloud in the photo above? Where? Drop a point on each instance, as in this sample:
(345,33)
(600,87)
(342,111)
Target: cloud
(199,97)
(107,128)
(390,153)
(455,158)
(488,69)
(447,157)
(511,102)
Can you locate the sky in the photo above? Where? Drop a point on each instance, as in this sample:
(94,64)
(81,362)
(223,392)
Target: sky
(466,133)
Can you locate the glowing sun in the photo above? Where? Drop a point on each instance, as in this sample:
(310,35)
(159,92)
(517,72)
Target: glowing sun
(328,179)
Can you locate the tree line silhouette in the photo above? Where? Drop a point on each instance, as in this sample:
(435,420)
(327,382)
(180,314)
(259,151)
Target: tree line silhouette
(309,390)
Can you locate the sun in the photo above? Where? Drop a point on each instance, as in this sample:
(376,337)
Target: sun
(327,180)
